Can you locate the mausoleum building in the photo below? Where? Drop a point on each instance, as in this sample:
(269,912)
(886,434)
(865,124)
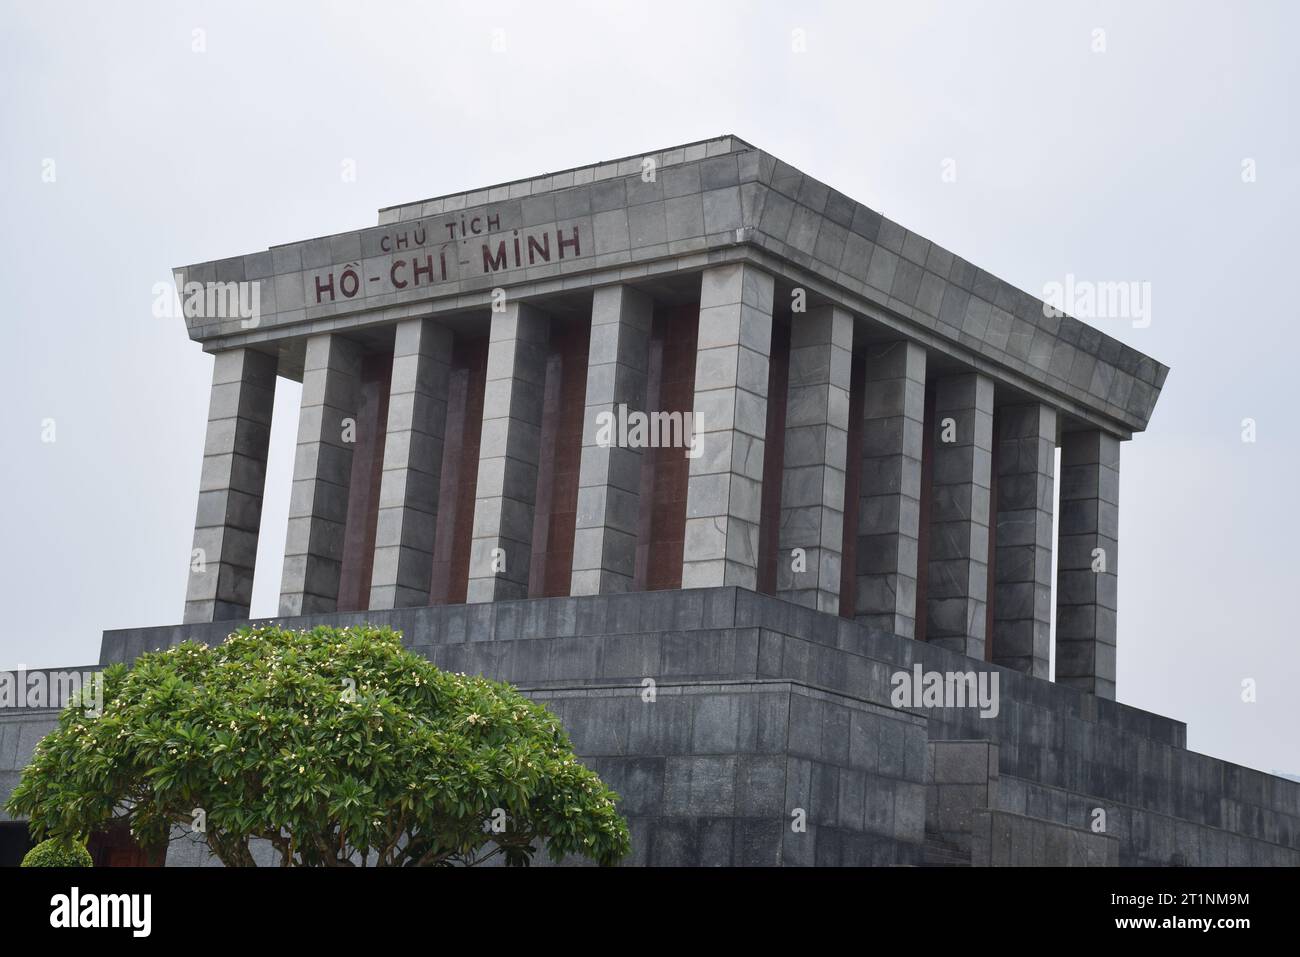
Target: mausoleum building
(694,420)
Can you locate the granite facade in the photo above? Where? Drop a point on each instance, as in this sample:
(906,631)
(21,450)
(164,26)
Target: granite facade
(764,708)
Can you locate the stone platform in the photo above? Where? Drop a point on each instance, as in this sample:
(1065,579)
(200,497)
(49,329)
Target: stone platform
(765,712)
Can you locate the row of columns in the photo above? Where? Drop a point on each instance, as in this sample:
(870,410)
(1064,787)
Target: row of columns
(935,548)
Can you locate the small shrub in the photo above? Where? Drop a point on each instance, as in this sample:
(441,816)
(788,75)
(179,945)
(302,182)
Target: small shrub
(57,853)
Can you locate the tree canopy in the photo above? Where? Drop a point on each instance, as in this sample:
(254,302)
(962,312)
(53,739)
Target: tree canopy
(336,746)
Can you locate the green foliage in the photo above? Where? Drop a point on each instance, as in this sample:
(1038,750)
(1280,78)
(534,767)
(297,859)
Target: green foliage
(336,745)
(56,852)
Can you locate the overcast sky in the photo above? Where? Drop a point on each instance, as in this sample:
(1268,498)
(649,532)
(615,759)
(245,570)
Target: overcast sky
(1124,155)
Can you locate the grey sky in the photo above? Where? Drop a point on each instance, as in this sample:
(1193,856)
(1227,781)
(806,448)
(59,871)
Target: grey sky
(1116,165)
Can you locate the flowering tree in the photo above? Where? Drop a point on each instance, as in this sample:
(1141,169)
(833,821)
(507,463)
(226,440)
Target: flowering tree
(336,746)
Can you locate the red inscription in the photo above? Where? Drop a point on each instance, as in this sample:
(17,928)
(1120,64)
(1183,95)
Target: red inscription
(520,249)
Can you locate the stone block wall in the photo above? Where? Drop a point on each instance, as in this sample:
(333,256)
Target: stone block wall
(1000,839)
(963,779)
(764,707)
(20,730)
(754,773)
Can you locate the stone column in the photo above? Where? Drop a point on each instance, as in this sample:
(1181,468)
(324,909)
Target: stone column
(609,477)
(816,444)
(408,491)
(724,490)
(505,498)
(889,509)
(230,490)
(1022,604)
(1086,583)
(957,586)
(322,470)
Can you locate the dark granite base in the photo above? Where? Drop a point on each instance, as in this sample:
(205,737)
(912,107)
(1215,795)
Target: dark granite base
(765,715)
